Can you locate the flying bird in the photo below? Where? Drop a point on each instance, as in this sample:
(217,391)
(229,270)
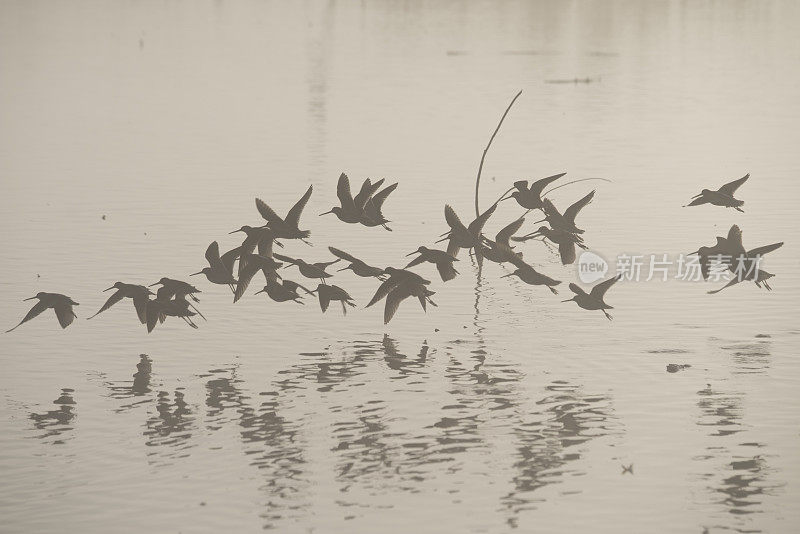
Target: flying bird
(745,263)
(309,270)
(500,250)
(530,197)
(531,276)
(722,196)
(249,265)
(566,242)
(440,258)
(284,291)
(373,214)
(358,267)
(139,295)
(594,299)
(327,293)
(566,221)
(349,211)
(179,288)
(400,285)
(460,236)
(288,228)
(61,304)
(220,269)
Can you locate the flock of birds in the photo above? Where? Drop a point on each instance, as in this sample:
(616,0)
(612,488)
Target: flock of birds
(238,267)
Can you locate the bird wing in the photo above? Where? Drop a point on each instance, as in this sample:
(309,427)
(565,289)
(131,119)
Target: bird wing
(267,212)
(504,235)
(293,217)
(154,314)
(539,185)
(573,210)
(140,303)
(379,198)
(384,289)
(344,194)
(38,308)
(212,254)
(446,271)
(550,210)
(760,251)
(733,281)
(452,247)
(65,314)
(324,300)
(113,299)
(265,246)
(283,258)
(416,261)
(363,194)
(476,227)
(343,255)
(229,257)
(247,270)
(566,250)
(452,219)
(734,241)
(731,187)
(576,289)
(393,301)
(600,289)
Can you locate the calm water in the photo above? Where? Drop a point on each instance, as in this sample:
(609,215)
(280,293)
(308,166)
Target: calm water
(501,409)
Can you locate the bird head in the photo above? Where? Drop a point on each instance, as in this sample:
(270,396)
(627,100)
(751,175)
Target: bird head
(206,270)
(262,291)
(40,295)
(246,229)
(164,281)
(336,210)
(420,250)
(117,285)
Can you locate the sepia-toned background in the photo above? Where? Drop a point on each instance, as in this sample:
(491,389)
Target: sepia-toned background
(132,134)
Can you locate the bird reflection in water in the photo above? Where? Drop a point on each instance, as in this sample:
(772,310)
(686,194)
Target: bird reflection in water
(171,426)
(549,440)
(56,423)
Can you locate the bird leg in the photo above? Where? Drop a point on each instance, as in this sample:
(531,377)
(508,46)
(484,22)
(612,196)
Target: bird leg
(607,315)
(555,292)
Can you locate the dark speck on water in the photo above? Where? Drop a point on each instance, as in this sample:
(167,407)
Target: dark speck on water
(675,367)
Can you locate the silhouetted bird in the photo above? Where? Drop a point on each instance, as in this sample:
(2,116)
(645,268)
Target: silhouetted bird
(719,253)
(460,236)
(400,285)
(349,211)
(566,221)
(283,291)
(594,299)
(61,304)
(159,308)
(531,276)
(357,266)
(287,228)
(220,270)
(745,264)
(166,293)
(500,250)
(566,242)
(530,198)
(722,196)
(139,295)
(373,214)
(249,265)
(309,270)
(260,237)
(440,258)
(327,293)
(173,287)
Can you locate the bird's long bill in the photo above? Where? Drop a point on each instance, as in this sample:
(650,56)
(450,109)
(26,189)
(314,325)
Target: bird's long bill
(239,230)
(151,285)
(327,212)
(344,269)
(412,253)
(29,298)
(507,275)
(109,289)
(195,274)
(532,235)
(262,291)
(569,300)
(537,222)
